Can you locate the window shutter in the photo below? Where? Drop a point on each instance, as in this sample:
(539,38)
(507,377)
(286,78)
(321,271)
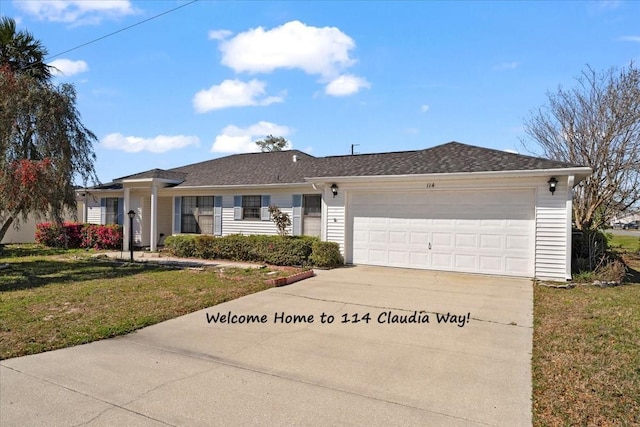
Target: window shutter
(296,221)
(177,215)
(103,210)
(264,211)
(120,210)
(237,208)
(217,215)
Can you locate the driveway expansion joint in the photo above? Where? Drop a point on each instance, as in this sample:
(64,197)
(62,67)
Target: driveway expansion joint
(111,404)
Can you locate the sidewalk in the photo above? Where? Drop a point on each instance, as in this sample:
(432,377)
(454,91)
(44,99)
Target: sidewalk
(145,256)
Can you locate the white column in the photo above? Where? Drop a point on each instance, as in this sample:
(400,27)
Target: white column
(154,217)
(125,220)
(569,207)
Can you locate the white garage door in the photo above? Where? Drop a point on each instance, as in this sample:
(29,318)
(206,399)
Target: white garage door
(489,232)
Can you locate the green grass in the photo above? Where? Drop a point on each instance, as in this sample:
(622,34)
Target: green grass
(586,356)
(51,300)
(624,243)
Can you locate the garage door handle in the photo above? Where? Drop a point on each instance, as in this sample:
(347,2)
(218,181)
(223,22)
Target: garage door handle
(429,245)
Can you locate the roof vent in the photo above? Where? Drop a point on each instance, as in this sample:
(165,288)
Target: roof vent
(295,158)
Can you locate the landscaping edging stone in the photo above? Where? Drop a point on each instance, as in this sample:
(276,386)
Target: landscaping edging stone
(282,281)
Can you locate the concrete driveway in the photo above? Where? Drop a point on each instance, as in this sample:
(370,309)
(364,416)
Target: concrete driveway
(474,369)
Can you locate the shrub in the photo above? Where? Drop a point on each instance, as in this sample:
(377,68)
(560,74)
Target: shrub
(181,246)
(589,246)
(326,254)
(102,236)
(285,250)
(73,235)
(276,250)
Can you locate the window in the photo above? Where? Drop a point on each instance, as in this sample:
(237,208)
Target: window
(197,215)
(312,205)
(111,214)
(251,207)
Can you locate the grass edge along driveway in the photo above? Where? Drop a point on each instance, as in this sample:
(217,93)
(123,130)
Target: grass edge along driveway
(51,299)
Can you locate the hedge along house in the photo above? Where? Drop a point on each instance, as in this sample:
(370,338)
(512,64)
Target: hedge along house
(453,207)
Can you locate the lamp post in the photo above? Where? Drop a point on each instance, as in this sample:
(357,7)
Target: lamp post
(131,214)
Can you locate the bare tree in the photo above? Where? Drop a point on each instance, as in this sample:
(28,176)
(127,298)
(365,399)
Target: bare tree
(272,143)
(595,124)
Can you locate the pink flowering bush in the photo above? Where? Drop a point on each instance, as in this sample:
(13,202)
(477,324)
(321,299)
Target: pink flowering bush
(74,235)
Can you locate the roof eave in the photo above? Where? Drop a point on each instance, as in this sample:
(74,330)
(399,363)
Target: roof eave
(141,180)
(235,186)
(579,172)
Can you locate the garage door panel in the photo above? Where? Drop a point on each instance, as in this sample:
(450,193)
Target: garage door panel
(377,236)
(442,239)
(418,259)
(398,258)
(519,266)
(517,243)
(378,256)
(419,238)
(441,261)
(491,263)
(398,237)
(466,240)
(465,262)
(472,231)
(491,241)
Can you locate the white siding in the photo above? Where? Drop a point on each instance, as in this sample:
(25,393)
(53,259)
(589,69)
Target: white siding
(551,231)
(335,220)
(231,226)
(94,211)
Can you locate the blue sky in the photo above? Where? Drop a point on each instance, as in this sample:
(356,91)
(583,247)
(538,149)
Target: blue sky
(208,79)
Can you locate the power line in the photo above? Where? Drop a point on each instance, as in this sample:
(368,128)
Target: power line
(121,30)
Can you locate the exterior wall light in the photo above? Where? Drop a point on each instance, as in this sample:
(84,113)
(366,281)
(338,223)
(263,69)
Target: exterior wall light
(553,182)
(334,190)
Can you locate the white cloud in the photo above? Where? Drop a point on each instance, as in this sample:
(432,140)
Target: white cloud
(158,144)
(507,65)
(412,131)
(629,39)
(242,140)
(424,108)
(317,51)
(232,93)
(75,11)
(67,67)
(219,34)
(346,85)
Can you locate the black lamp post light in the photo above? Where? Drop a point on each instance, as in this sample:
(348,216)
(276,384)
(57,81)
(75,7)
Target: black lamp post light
(131,214)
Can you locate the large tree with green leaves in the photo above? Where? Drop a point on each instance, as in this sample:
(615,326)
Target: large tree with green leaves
(43,144)
(21,53)
(595,124)
(272,143)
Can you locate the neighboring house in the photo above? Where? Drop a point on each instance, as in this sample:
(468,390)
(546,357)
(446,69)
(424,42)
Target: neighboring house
(626,218)
(26,230)
(452,207)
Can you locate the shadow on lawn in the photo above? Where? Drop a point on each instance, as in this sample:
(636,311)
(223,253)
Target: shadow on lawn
(28,274)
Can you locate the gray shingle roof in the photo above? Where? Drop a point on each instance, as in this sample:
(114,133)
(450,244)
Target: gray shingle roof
(278,167)
(446,158)
(155,173)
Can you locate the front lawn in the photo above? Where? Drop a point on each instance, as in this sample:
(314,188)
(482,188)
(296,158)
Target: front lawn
(586,354)
(51,299)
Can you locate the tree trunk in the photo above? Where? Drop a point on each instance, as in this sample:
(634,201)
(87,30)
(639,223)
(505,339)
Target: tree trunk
(5,227)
